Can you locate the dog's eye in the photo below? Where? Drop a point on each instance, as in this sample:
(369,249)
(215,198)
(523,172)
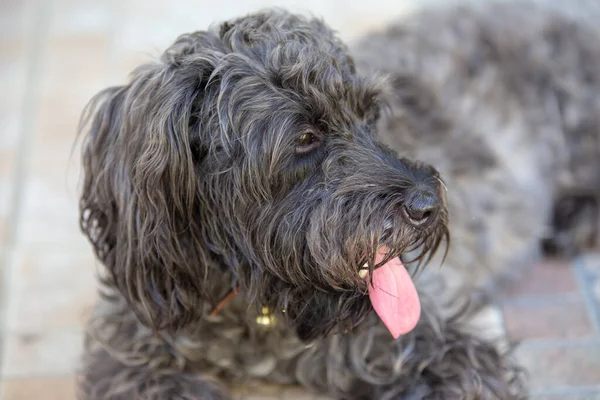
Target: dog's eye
(307,142)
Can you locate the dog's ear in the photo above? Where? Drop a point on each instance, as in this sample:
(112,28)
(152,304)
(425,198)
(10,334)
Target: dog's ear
(139,204)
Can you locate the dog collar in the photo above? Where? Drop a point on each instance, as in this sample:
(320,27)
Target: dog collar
(265,318)
(224,301)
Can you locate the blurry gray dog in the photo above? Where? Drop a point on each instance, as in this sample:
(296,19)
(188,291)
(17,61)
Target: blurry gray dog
(262,198)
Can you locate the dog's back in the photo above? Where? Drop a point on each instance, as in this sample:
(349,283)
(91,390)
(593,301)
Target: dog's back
(503,100)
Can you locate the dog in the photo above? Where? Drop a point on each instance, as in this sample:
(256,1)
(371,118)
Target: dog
(270,204)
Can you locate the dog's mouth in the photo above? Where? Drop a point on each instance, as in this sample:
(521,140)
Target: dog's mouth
(393,294)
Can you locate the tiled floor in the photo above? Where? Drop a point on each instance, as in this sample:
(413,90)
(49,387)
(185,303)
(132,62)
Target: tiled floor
(54,55)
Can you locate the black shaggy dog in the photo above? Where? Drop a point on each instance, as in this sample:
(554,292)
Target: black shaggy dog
(260,199)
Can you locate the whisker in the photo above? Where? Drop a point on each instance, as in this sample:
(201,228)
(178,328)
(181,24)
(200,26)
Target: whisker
(442,183)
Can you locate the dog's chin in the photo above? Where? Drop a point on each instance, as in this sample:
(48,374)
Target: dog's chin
(322,314)
(388,290)
(377,282)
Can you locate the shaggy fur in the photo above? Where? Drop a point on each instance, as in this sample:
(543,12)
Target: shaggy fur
(260,155)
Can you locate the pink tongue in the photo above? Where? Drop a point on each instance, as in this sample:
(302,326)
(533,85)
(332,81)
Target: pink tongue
(394,296)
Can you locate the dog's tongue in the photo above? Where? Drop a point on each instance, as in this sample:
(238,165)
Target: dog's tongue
(394,296)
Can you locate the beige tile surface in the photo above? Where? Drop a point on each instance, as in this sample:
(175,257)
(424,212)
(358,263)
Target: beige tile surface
(38,388)
(42,352)
(52,289)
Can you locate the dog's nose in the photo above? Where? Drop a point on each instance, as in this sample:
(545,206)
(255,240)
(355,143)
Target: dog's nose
(422,207)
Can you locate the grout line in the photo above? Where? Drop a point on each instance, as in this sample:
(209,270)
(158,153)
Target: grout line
(40,17)
(588,297)
(27,115)
(567,390)
(544,343)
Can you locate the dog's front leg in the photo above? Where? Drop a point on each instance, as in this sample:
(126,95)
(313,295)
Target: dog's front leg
(106,378)
(124,360)
(437,360)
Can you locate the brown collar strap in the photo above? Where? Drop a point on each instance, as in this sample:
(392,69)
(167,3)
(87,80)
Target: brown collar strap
(225,300)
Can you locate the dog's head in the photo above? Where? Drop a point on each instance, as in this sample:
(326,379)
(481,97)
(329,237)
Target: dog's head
(247,156)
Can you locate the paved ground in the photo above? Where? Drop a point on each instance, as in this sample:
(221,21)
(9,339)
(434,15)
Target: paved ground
(53,56)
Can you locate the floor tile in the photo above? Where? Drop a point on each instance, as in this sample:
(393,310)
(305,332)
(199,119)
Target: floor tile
(548,277)
(589,269)
(42,352)
(16,18)
(75,58)
(547,319)
(75,69)
(49,216)
(38,388)
(52,290)
(82,17)
(558,366)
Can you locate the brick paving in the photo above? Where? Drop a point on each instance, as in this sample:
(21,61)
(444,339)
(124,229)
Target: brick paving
(555,323)
(54,55)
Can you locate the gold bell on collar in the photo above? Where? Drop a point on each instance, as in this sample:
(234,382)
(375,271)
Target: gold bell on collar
(265,318)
